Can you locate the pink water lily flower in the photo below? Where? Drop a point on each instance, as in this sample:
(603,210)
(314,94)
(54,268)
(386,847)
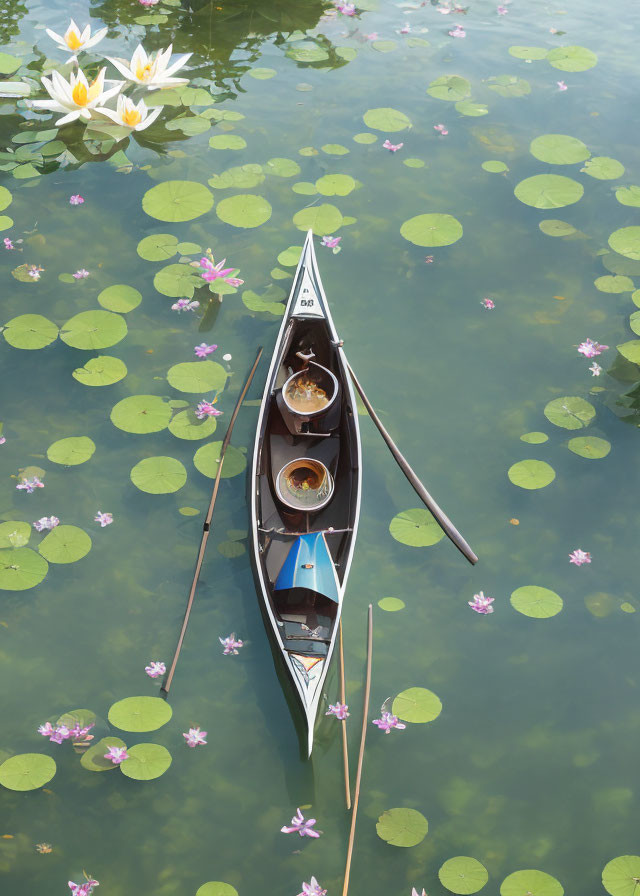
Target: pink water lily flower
(387,721)
(185,305)
(155,669)
(441,129)
(203,350)
(84,889)
(46,730)
(372,36)
(481,604)
(392,147)
(591,349)
(60,733)
(458,31)
(148,2)
(76,199)
(46,522)
(34,271)
(313,888)
(301,826)
(8,244)
(579,557)
(82,274)
(502,10)
(116,754)
(230,644)
(414,892)
(211,271)
(331,242)
(194,737)
(595,369)
(347,9)
(78,732)
(406,28)
(561,85)
(105,519)
(206,409)
(30,485)
(339,710)
(489,304)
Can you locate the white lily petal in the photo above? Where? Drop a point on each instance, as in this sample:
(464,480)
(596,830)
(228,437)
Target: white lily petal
(86,34)
(107,94)
(110,113)
(122,67)
(151,117)
(49,105)
(92,41)
(139,59)
(56,37)
(180,61)
(168,82)
(66,119)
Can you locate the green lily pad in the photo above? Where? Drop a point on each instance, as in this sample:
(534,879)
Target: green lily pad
(348,53)
(290,257)
(21,273)
(635,298)
(450,87)
(188,511)
(629,195)
(141,413)
(463,874)
(177,281)
(307,52)
(101,371)
(634,319)
(534,438)
(432,230)
(493,166)
(621,876)
(206,460)
(386,119)
(417,42)
(614,283)
(227,141)
(537,602)
(282,167)
(65,544)
(554,227)
(94,329)
(186,425)
(146,762)
(94,760)
(334,149)
(549,191)
(471,110)
(189,125)
(589,446)
(533,53)
(6,198)
(9,64)
(72,451)
(177,200)
(530,883)
(27,771)
(14,534)
(158,247)
(531,474)
(323,219)
(603,168)
(262,74)
(391,604)
(188,248)
(120,298)
(570,412)
(413,163)
(140,713)
(216,888)
(559,149)
(304,188)
(572,59)
(21,568)
(630,350)
(308,151)
(231,549)
(626,607)
(197,376)
(416,528)
(402,827)
(257,303)
(626,241)
(365,138)
(244,210)
(417,705)
(30,331)
(384,46)
(335,184)
(509,85)
(159,475)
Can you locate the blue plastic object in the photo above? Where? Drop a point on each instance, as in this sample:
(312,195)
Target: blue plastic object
(309,565)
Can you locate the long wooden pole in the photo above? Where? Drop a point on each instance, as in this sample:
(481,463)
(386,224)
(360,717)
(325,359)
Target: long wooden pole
(345,747)
(363,737)
(438,514)
(166,684)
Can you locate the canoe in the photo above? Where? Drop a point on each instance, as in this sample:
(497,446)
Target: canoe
(304,487)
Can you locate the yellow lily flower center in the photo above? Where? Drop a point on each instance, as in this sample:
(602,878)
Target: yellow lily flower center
(80,94)
(146,72)
(131,117)
(72,39)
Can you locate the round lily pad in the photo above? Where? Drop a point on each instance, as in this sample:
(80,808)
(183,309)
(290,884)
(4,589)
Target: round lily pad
(323,219)
(207,458)
(603,168)
(335,185)
(537,602)
(365,138)
(146,762)
(177,200)
(629,195)
(159,475)
(290,257)
(186,425)
(14,534)
(463,874)
(216,888)
(120,298)
(450,87)
(94,329)
(413,163)
(402,827)
(21,568)
(177,281)
(188,248)
(634,321)
(559,149)
(282,167)
(158,247)
(244,210)
(334,149)
(531,883)
(5,198)
(472,110)
(630,350)
(432,230)
(391,604)
(621,876)
(534,438)
(600,604)
(549,191)
(304,188)
(188,511)
(531,474)
(101,371)
(614,283)
(140,713)
(493,166)
(27,771)
(626,241)
(71,451)
(570,412)
(141,413)
(231,549)
(626,607)
(197,376)
(554,227)
(30,331)
(416,528)
(572,59)
(261,74)
(533,53)
(94,760)
(65,544)
(589,446)
(510,85)
(417,705)
(227,141)
(305,51)
(386,119)
(384,46)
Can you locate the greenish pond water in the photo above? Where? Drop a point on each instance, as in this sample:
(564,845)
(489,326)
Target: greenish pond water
(532,762)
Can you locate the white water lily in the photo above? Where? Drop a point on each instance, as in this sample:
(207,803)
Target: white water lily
(152,71)
(131,116)
(76,97)
(75,40)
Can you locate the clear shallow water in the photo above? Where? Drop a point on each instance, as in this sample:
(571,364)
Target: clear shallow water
(531,763)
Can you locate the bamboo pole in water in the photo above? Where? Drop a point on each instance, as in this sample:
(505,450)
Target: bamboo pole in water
(363,737)
(345,748)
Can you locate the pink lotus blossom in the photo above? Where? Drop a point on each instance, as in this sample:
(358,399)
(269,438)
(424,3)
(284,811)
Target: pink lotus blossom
(105,519)
(331,242)
(414,892)
(406,28)
(579,557)
(46,730)
(82,274)
(116,754)
(84,889)
(387,721)
(194,737)
(34,271)
(481,604)
(2,440)
(230,644)
(46,522)
(313,888)
(553,31)
(8,244)
(30,485)
(206,409)
(595,369)
(561,85)
(393,147)
(441,128)
(489,304)
(502,10)
(185,305)
(591,349)
(203,350)
(458,31)
(76,199)
(155,669)
(347,9)
(211,271)
(301,826)
(148,3)
(372,36)
(339,710)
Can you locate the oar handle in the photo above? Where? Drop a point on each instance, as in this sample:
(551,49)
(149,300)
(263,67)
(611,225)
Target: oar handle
(438,514)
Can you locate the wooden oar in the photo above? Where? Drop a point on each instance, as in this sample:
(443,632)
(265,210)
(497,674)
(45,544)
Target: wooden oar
(438,514)
(345,749)
(166,684)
